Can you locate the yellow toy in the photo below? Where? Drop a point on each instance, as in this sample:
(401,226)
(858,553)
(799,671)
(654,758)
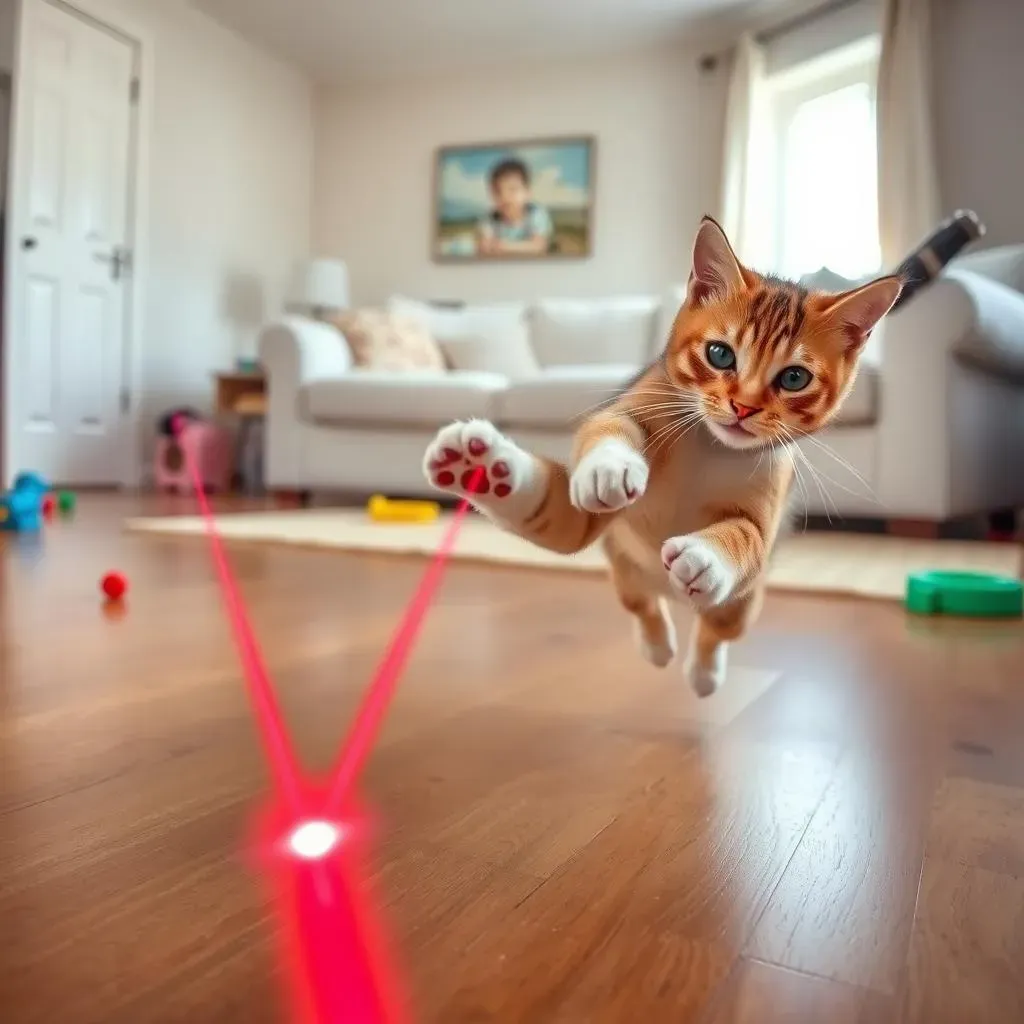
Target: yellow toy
(386,510)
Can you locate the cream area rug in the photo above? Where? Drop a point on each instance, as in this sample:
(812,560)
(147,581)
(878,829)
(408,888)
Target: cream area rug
(869,566)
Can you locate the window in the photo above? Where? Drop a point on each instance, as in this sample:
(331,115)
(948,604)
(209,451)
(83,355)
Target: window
(820,144)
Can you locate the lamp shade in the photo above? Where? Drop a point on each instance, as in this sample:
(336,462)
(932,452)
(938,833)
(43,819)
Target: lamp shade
(322,284)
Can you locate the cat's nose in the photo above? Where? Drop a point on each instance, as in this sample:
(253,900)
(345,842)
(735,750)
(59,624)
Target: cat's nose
(743,411)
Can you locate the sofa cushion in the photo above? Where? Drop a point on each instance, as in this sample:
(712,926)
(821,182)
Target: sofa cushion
(413,399)
(386,341)
(559,398)
(569,332)
(489,336)
(502,351)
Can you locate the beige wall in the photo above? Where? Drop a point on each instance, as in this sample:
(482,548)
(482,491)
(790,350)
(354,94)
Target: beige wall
(658,125)
(8,9)
(229,197)
(979,76)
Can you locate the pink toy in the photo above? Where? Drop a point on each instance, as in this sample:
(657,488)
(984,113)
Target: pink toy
(206,446)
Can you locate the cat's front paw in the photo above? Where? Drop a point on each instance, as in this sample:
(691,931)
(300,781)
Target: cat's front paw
(609,477)
(697,570)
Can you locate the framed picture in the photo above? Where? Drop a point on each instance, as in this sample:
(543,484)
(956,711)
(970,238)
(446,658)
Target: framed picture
(530,200)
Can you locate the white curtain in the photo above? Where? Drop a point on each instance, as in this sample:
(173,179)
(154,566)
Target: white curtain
(744,184)
(908,186)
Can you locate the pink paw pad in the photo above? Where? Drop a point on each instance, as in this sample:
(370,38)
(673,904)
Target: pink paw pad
(477,447)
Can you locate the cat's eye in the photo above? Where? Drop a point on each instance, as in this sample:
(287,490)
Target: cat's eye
(720,356)
(793,378)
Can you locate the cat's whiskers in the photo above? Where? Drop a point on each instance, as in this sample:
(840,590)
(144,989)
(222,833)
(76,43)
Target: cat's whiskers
(668,393)
(825,476)
(681,415)
(800,484)
(816,476)
(818,443)
(673,432)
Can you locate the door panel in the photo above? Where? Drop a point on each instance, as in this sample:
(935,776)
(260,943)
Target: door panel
(42,321)
(74,159)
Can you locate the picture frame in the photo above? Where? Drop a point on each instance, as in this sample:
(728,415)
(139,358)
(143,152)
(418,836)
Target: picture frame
(521,200)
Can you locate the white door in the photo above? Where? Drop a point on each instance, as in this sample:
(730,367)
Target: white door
(70,216)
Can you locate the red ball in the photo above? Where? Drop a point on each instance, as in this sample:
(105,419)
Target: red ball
(114,585)
(49,505)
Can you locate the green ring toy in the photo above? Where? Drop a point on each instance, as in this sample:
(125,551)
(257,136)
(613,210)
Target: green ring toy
(971,594)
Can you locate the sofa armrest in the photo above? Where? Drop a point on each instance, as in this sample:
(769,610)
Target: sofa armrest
(1004,264)
(294,352)
(995,342)
(943,448)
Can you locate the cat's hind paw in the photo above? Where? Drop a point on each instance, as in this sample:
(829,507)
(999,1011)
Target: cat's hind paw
(706,678)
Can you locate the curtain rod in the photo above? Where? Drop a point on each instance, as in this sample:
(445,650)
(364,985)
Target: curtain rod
(709,61)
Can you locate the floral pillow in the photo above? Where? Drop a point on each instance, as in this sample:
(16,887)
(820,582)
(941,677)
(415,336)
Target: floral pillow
(383,341)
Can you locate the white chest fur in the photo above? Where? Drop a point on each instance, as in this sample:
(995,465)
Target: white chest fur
(688,488)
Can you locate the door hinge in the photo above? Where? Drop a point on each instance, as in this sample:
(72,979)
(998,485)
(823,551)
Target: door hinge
(135,90)
(126,401)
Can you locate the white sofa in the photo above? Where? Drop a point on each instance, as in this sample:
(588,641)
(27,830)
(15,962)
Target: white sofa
(934,428)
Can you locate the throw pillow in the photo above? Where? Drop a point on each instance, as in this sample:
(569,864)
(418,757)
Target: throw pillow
(498,351)
(382,341)
(477,336)
(567,332)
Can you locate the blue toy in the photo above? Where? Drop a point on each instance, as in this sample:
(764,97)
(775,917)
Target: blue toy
(26,482)
(21,508)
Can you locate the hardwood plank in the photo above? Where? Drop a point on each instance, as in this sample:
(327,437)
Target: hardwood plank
(845,906)
(978,824)
(967,953)
(685,873)
(758,993)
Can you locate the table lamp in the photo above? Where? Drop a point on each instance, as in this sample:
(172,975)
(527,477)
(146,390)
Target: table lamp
(321,287)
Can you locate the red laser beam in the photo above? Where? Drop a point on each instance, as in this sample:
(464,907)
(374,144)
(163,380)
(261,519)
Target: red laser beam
(356,747)
(281,760)
(340,970)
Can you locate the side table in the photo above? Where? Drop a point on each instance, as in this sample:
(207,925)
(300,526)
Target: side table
(245,395)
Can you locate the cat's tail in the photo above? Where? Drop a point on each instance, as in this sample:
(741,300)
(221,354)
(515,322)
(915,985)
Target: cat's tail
(929,259)
(523,493)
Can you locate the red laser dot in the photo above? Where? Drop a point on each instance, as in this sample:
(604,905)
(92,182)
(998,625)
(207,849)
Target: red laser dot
(314,840)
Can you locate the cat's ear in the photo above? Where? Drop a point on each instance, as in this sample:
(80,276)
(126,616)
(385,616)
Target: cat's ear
(716,270)
(857,312)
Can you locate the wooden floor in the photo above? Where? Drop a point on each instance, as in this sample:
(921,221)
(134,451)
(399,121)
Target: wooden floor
(568,836)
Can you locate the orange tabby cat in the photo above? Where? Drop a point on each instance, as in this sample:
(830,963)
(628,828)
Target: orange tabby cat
(687,472)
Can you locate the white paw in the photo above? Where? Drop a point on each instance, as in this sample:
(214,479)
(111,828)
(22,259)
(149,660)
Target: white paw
(658,653)
(476,459)
(697,571)
(706,679)
(610,476)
